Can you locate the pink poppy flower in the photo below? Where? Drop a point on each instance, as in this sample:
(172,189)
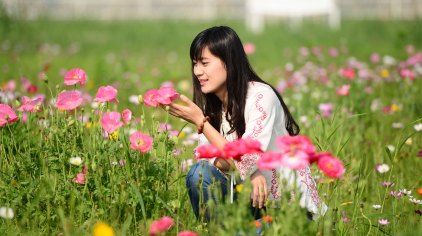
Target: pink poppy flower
(80,178)
(348,73)
(150,98)
(333,52)
(207,151)
(30,105)
(127,115)
(141,142)
(269,160)
(240,147)
(296,160)
(187,233)
(343,90)
(326,109)
(332,167)
(249,48)
(164,127)
(106,94)
(110,121)
(317,156)
(28,86)
(406,73)
(9,86)
(160,226)
(292,144)
(166,95)
(7,115)
(375,58)
(69,100)
(74,76)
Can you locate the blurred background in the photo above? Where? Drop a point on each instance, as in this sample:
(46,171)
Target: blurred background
(199,9)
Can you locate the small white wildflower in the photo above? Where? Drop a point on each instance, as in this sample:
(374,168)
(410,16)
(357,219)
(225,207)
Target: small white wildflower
(382,168)
(389,60)
(134,99)
(187,130)
(418,127)
(303,119)
(376,206)
(391,148)
(397,125)
(95,105)
(414,200)
(77,161)
(405,191)
(6,213)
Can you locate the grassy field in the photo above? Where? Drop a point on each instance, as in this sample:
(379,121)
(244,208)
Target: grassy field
(376,123)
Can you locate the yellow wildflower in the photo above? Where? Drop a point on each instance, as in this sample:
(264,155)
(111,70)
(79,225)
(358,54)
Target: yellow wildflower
(114,136)
(384,73)
(102,229)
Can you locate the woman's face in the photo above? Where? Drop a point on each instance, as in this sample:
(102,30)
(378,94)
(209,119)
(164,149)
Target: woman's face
(211,73)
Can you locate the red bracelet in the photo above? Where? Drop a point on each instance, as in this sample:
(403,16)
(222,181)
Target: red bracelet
(201,126)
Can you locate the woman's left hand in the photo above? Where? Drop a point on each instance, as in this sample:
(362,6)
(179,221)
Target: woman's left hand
(260,192)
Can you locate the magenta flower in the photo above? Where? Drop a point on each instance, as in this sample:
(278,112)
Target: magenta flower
(326,109)
(9,86)
(160,226)
(240,147)
(28,86)
(69,100)
(249,48)
(186,233)
(288,143)
(166,95)
(31,105)
(406,73)
(7,115)
(164,127)
(420,153)
(106,94)
(110,121)
(207,151)
(375,58)
(80,178)
(127,115)
(74,76)
(150,98)
(269,160)
(348,73)
(317,156)
(332,167)
(333,52)
(141,142)
(295,160)
(343,90)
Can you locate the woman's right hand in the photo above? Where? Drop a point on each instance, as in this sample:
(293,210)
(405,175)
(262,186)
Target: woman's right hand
(189,112)
(224,164)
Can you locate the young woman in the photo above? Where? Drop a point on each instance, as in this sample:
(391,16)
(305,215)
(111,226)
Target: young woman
(229,102)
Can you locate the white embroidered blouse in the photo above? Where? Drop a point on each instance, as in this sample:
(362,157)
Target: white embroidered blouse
(265,121)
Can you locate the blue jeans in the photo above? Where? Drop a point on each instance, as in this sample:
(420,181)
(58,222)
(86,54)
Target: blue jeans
(204,180)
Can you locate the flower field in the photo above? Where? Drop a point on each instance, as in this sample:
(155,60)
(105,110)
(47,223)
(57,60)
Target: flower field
(87,148)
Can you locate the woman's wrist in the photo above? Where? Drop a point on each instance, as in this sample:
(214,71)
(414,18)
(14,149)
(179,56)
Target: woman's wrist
(201,124)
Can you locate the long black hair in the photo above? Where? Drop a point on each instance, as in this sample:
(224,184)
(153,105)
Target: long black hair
(224,43)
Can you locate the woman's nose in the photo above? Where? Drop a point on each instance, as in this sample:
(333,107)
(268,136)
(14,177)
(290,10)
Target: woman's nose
(197,70)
